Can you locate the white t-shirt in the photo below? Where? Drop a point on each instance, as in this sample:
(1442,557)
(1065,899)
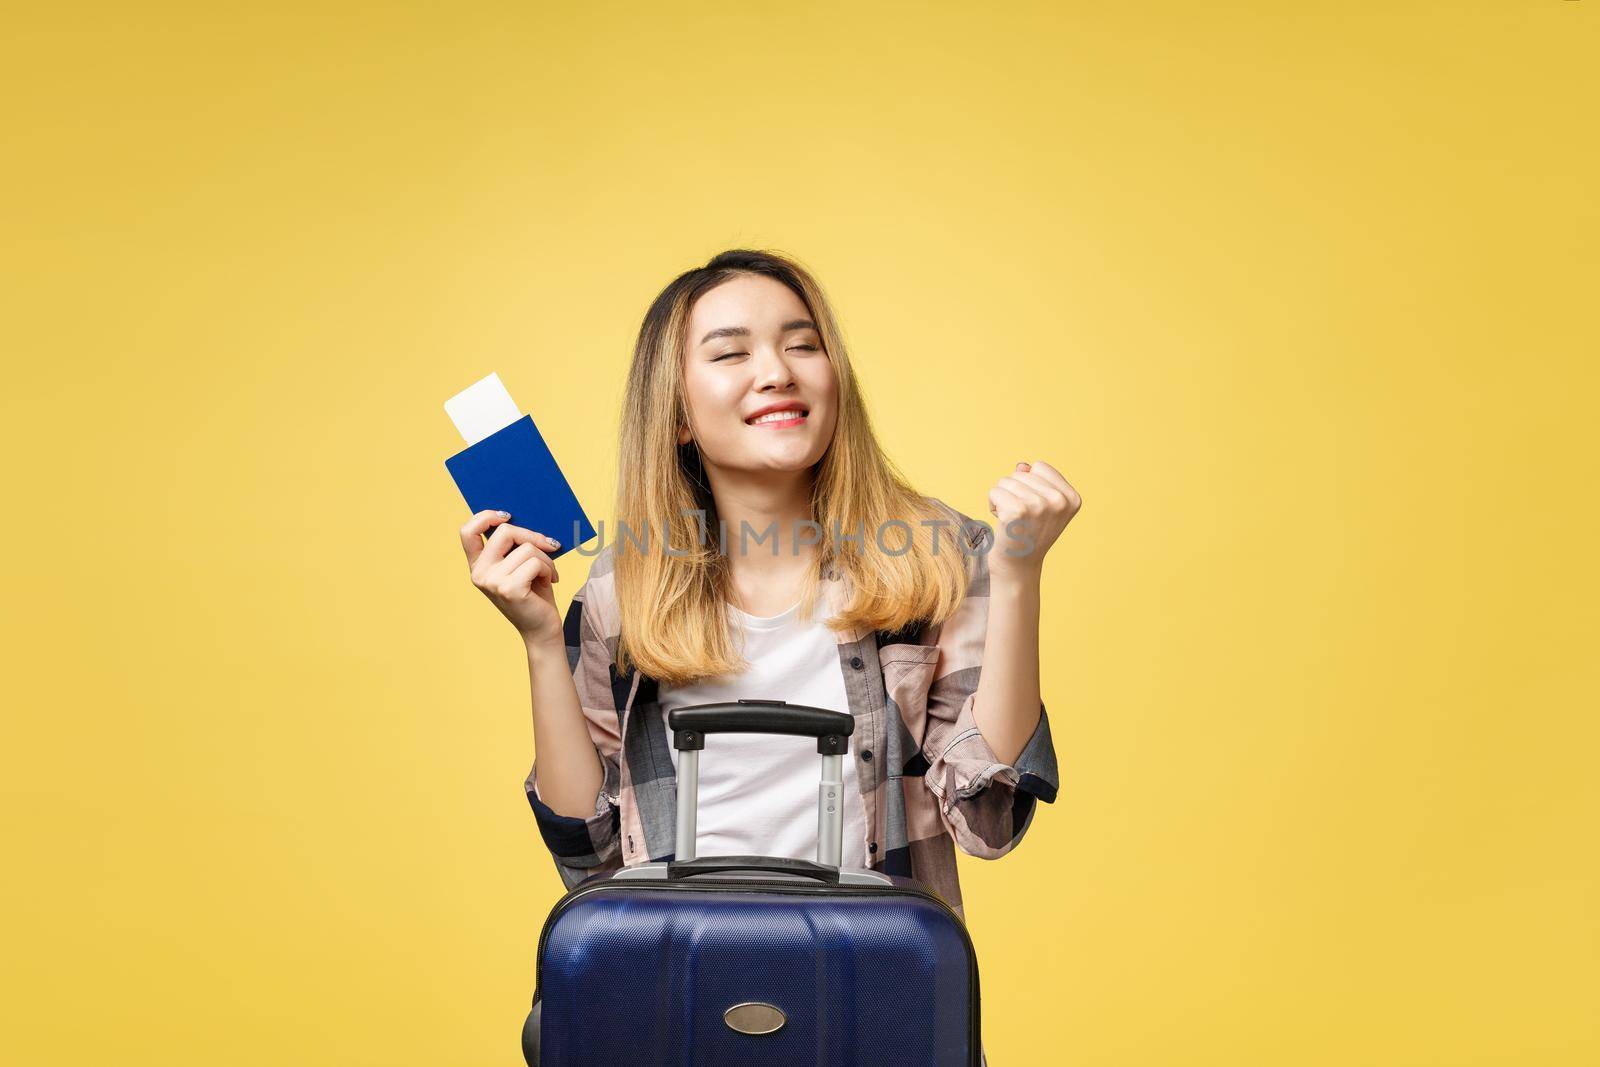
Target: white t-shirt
(758,792)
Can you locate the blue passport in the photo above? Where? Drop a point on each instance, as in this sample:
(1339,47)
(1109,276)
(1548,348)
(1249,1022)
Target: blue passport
(513,470)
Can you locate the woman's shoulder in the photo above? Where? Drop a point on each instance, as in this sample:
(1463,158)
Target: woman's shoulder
(963,525)
(599,592)
(605,560)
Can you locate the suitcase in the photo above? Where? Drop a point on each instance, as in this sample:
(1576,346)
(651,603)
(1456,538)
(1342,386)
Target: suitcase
(744,960)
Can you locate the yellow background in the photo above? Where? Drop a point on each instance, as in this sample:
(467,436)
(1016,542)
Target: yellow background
(1302,301)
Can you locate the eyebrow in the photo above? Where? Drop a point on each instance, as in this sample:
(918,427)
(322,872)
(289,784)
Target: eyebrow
(744,331)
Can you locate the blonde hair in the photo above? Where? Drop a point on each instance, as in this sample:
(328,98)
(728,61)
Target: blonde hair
(674,622)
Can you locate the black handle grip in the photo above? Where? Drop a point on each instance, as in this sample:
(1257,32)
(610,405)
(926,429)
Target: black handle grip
(832,729)
(772,864)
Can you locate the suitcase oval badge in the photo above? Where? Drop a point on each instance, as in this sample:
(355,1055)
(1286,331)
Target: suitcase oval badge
(754,1017)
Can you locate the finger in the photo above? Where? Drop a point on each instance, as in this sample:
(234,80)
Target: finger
(503,578)
(501,541)
(1050,474)
(530,572)
(1043,486)
(999,496)
(509,534)
(516,558)
(474,530)
(1022,490)
(496,571)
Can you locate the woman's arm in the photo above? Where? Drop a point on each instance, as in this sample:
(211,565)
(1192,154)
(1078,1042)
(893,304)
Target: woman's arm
(1034,505)
(567,763)
(1006,706)
(575,784)
(985,802)
(987,740)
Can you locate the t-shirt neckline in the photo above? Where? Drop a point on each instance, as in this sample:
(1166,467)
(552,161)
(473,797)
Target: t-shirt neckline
(765,622)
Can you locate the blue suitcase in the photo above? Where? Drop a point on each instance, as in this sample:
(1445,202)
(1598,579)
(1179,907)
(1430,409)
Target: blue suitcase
(744,960)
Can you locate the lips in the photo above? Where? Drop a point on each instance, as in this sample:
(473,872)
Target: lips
(777,415)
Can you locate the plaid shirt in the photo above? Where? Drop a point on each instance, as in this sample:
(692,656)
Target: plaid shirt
(929,781)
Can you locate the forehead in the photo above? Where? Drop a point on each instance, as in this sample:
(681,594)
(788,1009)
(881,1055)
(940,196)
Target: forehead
(752,300)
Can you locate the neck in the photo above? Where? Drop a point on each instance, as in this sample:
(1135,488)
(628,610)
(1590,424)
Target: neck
(773,504)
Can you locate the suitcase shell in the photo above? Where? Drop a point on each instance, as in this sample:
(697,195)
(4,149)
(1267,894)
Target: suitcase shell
(753,960)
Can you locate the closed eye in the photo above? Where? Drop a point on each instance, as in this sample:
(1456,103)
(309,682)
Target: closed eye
(806,348)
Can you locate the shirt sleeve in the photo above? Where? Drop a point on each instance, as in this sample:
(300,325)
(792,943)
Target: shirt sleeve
(986,805)
(582,847)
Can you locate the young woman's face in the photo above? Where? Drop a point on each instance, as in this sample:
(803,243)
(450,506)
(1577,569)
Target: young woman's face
(752,346)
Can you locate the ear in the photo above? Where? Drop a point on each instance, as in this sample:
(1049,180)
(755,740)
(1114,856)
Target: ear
(684,437)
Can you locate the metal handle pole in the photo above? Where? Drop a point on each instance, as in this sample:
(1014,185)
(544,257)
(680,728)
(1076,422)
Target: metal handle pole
(830,811)
(688,801)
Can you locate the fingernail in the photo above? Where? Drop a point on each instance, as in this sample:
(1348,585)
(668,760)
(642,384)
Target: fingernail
(503,514)
(553,542)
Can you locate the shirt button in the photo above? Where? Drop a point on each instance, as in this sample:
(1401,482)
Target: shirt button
(866,754)
(855,661)
(872,847)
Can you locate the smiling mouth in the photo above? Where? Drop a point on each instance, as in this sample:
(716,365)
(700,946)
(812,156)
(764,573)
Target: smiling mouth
(779,418)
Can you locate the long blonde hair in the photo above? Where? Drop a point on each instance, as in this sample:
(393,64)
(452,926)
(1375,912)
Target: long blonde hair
(674,622)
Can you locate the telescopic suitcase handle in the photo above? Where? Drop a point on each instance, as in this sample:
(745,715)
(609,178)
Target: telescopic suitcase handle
(832,729)
(768,864)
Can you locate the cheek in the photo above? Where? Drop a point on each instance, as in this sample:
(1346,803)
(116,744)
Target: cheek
(707,398)
(829,396)
(823,385)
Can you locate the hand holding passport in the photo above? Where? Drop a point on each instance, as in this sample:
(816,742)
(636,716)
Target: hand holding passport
(507,467)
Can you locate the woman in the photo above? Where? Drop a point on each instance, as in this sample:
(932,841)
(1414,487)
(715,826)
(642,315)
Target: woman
(768,548)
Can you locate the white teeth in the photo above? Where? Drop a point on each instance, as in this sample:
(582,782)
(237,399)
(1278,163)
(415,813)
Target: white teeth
(778,416)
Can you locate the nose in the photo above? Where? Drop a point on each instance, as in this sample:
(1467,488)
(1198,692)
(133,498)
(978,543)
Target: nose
(772,370)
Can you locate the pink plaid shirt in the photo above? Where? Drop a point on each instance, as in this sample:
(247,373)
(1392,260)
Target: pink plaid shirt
(929,781)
